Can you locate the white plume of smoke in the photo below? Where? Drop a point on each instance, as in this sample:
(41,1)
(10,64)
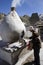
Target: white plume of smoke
(16,3)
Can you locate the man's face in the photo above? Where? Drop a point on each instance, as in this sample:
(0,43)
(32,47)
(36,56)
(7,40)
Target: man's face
(31,30)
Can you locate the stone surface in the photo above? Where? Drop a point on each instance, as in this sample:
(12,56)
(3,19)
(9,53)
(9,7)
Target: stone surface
(28,60)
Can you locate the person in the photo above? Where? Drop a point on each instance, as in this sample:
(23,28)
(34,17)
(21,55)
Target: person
(36,46)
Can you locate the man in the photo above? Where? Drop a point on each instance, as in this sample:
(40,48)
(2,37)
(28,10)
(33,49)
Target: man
(36,46)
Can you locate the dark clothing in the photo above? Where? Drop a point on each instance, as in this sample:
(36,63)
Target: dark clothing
(36,46)
(35,41)
(36,56)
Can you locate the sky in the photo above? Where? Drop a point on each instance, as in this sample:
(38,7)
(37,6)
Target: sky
(26,8)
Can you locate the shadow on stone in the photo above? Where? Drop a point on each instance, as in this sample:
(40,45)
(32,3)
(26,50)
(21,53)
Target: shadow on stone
(3,62)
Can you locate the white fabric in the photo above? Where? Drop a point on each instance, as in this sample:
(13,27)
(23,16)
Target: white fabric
(10,24)
(17,44)
(15,22)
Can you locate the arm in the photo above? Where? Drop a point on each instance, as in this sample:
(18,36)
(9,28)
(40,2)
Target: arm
(31,37)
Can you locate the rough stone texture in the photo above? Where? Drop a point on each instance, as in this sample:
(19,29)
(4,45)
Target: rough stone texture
(31,58)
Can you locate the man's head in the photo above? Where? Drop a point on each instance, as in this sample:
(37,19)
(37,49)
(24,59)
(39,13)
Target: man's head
(33,31)
(31,28)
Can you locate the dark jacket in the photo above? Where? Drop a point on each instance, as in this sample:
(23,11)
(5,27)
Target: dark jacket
(35,40)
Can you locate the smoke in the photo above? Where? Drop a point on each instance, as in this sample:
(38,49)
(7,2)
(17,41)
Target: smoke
(16,3)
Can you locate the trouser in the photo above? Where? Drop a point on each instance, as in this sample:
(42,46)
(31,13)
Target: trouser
(36,56)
